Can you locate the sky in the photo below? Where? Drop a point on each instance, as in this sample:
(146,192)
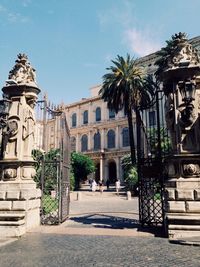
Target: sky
(70,43)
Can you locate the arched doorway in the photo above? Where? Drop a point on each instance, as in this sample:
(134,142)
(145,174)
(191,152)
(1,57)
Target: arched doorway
(97,172)
(112,171)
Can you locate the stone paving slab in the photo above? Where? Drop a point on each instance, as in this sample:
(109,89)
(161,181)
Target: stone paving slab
(58,250)
(6,241)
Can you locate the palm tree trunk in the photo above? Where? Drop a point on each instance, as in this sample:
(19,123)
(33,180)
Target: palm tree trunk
(131,137)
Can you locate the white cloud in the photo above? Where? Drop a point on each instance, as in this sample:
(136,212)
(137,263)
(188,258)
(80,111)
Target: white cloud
(140,42)
(12,17)
(124,20)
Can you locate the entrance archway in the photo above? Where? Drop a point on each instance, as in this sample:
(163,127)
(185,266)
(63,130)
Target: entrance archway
(112,171)
(97,172)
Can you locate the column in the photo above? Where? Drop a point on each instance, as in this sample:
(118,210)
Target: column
(101,167)
(102,138)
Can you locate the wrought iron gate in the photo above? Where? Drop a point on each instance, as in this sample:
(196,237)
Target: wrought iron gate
(153,145)
(53,133)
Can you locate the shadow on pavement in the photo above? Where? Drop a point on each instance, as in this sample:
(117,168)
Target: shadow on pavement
(106,221)
(115,222)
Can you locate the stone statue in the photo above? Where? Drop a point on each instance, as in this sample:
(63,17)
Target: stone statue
(28,127)
(22,72)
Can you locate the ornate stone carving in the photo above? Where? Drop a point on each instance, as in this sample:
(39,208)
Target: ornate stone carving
(187,116)
(9,135)
(185,53)
(22,72)
(191,169)
(10,173)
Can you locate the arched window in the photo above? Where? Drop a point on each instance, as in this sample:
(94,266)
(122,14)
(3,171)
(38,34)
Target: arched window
(73,143)
(84,143)
(74,120)
(125,137)
(98,114)
(97,141)
(85,117)
(111,139)
(111,114)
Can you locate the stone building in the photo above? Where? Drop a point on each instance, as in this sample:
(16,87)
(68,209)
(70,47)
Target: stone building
(99,133)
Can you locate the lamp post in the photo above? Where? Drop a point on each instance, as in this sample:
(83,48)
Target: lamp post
(187,90)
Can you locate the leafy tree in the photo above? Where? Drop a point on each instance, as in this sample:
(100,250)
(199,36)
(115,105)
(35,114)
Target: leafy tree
(72,181)
(37,156)
(50,168)
(165,142)
(130,174)
(81,166)
(125,87)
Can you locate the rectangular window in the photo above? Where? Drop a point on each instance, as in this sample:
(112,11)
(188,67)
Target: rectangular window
(152,118)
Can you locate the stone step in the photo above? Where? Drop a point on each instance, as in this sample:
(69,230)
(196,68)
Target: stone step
(11,216)
(12,223)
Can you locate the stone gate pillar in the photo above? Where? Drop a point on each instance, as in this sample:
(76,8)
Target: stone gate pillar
(181,81)
(19,198)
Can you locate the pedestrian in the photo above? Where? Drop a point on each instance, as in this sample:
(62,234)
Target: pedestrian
(90,182)
(108,184)
(101,187)
(117,186)
(93,185)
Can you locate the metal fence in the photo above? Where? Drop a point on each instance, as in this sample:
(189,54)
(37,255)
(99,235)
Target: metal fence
(52,142)
(153,145)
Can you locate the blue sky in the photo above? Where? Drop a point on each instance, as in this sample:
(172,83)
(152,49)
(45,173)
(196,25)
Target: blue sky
(71,42)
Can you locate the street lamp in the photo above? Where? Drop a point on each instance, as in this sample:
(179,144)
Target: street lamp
(187,90)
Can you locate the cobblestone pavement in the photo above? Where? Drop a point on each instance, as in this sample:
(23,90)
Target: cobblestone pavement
(52,250)
(102,231)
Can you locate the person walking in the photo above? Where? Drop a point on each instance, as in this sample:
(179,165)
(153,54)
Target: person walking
(93,186)
(108,184)
(101,187)
(117,186)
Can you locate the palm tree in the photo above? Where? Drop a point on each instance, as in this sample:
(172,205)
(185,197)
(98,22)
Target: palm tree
(124,87)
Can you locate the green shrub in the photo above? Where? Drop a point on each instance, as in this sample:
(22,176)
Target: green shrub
(72,181)
(131,179)
(49,204)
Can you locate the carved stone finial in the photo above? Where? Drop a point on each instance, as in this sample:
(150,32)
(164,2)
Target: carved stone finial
(185,55)
(22,72)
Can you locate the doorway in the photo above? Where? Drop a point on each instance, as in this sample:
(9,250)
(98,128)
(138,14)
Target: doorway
(97,172)
(112,171)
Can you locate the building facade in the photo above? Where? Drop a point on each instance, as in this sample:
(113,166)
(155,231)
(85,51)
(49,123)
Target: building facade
(99,133)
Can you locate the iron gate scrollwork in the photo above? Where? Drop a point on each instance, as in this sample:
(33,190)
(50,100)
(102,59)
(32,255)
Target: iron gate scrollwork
(153,145)
(54,163)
